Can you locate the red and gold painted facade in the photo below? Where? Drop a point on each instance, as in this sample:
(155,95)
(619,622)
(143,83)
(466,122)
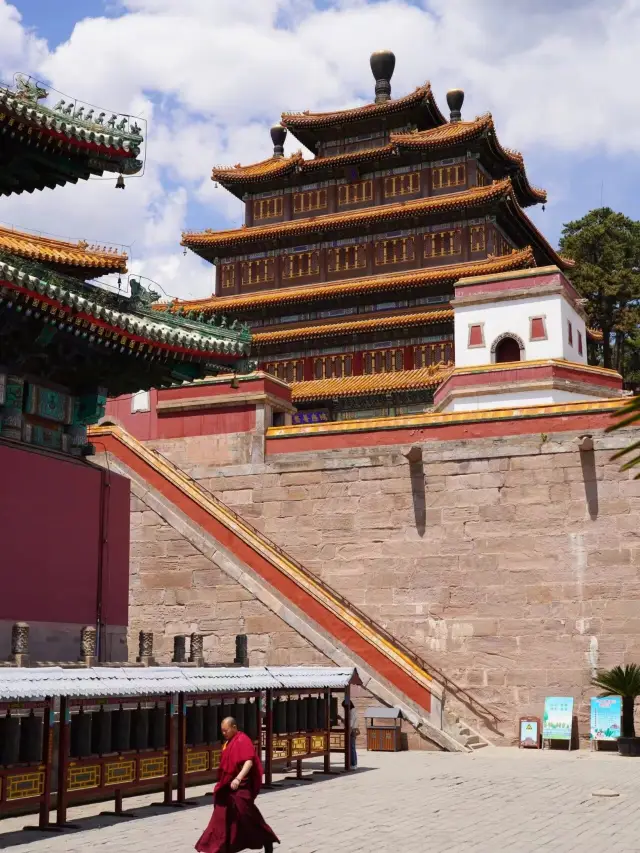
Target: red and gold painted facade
(346,262)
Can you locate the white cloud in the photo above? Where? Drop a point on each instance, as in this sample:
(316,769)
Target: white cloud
(212,75)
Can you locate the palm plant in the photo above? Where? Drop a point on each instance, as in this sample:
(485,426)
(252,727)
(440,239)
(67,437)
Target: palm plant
(622,681)
(630,417)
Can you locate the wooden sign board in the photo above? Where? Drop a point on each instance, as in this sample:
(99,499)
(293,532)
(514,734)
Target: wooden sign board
(529,731)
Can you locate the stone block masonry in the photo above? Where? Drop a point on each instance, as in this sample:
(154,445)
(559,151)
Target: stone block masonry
(510,563)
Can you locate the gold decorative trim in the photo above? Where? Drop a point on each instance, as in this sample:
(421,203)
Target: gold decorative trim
(299,746)
(120,773)
(318,743)
(197,762)
(154,768)
(25,786)
(280,748)
(83,778)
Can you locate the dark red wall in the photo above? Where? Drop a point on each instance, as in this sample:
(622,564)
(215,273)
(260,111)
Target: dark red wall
(49,539)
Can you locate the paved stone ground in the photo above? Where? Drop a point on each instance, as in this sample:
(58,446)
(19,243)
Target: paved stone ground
(495,800)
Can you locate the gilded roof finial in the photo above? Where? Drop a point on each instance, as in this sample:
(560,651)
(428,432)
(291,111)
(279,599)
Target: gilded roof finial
(383,63)
(455,100)
(278,136)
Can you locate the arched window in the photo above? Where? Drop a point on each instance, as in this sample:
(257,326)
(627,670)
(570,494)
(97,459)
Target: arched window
(508,349)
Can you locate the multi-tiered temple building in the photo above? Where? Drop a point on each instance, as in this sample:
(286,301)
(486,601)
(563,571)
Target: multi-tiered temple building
(346,262)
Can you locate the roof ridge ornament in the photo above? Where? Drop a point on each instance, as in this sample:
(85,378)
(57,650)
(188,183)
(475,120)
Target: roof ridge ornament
(278,136)
(455,100)
(383,63)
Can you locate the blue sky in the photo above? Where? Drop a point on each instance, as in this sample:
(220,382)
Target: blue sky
(212,75)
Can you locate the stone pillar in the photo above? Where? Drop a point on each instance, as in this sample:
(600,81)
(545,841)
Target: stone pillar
(20,644)
(242,652)
(145,654)
(197,650)
(179,649)
(88,645)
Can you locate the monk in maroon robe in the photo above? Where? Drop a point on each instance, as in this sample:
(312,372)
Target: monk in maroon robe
(236,824)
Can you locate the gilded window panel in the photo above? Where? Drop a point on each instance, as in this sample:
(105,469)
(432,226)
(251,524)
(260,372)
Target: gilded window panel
(311,200)
(267,208)
(355,193)
(394,251)
(347,258)
(442,243)
(301,264)
(258,272)
(228,276)
(443,177)
(501,245)
(395,185)
(477,238)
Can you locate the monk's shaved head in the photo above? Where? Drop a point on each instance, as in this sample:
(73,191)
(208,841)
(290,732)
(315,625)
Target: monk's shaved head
(229,728)
(231,722)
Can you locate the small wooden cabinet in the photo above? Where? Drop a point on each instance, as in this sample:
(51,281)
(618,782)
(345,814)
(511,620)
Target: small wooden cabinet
(384,729)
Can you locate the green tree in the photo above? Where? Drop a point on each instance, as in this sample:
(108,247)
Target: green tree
(606,248)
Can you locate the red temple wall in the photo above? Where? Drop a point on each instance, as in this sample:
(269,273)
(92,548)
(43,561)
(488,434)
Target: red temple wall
(50,524)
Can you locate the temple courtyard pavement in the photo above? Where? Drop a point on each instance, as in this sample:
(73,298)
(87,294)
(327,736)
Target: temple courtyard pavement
(410,802)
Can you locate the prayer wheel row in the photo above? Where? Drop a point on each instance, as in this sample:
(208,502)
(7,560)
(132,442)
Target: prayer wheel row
(307,714)
(203,722)
(21,740)
(104,732)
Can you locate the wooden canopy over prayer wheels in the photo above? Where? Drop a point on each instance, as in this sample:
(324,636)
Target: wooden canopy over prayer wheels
(118,734)
(301,717)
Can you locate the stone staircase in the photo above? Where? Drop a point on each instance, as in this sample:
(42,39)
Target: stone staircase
(390,671)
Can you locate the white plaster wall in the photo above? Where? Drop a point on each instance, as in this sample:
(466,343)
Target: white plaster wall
(513,316)
(570,315)
(512,399)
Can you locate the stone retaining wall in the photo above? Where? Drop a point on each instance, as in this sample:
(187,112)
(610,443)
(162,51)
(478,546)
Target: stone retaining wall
(512,564)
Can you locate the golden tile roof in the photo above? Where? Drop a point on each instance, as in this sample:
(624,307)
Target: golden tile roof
(60,252)
(449,202)
(518,259)
(376,383)
(265,169)
(306,119)
(355,327)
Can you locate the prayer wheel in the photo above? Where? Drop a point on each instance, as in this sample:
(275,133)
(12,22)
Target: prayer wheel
(121,730)
(31,739)
(157,727)
(321,716)
(10,741)
(279,717)
(195,725)
(312,714)
(334,710)
(292,716)
(101,733)
(251,720)
(228,710)
(80,735)
(302,715)
(140,726)
(241,715)
(212,720)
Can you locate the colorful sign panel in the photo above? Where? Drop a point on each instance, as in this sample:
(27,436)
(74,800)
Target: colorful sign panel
(530,732)
(606,714)
(319,417)
(558,718)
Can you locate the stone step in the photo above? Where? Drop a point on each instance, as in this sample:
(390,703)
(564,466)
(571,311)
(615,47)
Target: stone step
(480,745)
(463,731)
(472,740)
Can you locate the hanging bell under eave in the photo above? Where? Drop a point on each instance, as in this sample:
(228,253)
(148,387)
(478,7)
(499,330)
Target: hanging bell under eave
(120,183)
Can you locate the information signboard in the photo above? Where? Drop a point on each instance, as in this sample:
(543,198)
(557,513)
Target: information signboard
(606,713)
(558,718)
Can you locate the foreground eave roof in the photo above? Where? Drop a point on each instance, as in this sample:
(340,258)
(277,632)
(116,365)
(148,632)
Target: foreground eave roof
(518,259)
(133,322)
(48,250)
